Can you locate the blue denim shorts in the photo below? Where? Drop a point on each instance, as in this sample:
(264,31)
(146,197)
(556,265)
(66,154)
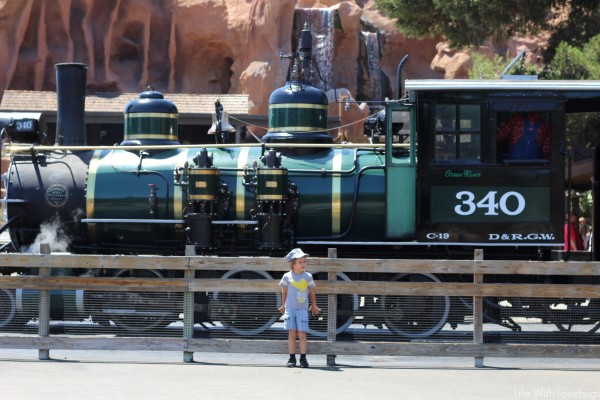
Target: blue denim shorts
(295,319)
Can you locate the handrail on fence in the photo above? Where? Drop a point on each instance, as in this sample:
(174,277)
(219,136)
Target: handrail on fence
(188,284)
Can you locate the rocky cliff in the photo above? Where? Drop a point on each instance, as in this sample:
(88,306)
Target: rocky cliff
(213,46)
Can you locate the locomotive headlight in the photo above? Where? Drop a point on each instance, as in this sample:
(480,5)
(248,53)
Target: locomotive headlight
(24,130)
(26,125)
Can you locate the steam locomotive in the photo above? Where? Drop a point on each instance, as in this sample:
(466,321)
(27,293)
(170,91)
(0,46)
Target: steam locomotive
(433,180)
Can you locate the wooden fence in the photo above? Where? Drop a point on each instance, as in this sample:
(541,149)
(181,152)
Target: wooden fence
(188,285)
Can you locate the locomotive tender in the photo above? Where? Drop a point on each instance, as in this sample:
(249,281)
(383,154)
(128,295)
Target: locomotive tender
(434,177)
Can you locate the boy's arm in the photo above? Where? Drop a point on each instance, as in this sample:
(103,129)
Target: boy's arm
(283,299)
(313,301)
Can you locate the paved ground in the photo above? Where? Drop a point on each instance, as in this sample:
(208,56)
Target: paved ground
(114,375)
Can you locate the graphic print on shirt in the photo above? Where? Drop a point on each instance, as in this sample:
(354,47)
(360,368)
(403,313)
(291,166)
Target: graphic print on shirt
(301,286)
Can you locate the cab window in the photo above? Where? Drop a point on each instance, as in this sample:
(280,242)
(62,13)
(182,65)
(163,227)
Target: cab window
(523,137)
(457,133)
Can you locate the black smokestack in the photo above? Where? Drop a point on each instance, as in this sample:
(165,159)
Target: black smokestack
(70,93)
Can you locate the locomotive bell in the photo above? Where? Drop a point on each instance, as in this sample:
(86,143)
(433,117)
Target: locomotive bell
(151,119)
(221,127)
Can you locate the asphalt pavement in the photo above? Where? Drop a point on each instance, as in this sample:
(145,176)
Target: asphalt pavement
(150,375)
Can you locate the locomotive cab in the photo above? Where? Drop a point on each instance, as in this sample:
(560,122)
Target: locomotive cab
(491,169)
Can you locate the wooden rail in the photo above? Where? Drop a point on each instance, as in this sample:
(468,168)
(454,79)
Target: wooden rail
(188,284)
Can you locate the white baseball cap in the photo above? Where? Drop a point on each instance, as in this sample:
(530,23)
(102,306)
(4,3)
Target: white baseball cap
(296,253)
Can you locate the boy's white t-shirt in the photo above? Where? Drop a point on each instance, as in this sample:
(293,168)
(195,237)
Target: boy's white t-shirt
(297,284)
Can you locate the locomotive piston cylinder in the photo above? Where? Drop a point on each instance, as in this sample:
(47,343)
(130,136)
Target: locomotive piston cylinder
(199,231)
(271,184)
(203,197)
(271,229)
(271,196)
(203,184)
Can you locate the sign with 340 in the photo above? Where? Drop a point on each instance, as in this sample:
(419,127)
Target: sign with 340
(487,204)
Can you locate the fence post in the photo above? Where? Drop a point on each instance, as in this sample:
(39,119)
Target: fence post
(478,310)
(188,305)
(44,306)
(331,310)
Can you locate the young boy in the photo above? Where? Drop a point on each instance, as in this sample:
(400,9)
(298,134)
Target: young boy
(296,286)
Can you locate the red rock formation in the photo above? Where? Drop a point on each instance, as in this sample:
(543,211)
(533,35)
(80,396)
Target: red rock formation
(455,64)
(193,46)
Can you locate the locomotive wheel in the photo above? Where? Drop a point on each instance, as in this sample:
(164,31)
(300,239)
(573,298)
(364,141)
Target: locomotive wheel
(245,313)
(138,311)
(8,307)
(577,312)
(347,305)
(415,316)
(493,311)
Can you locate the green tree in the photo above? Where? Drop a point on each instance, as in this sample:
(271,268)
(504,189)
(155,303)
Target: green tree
(582,24)
(471,22)
(485,67)
(492,68)
(570,62)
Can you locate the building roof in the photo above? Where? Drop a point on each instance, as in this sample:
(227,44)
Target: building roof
(27,100)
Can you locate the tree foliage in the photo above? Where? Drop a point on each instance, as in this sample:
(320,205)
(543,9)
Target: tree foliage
(471,22)
(492,68)
(582,24)
(571,62)
(485,67)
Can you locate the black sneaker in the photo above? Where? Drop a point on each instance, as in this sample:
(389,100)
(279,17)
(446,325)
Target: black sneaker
(291,363)
(303,363)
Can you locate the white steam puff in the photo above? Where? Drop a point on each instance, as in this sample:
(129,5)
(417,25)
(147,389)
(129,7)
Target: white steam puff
(52,233)
(77,214)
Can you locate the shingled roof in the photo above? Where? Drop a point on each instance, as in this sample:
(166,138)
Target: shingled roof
(26,100)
